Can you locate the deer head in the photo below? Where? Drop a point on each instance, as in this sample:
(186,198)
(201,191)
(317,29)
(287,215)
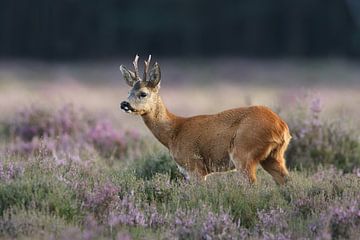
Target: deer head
(144,93)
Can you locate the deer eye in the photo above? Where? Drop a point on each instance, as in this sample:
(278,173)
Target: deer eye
(142,94)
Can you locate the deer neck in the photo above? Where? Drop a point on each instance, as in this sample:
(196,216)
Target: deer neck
(162,123)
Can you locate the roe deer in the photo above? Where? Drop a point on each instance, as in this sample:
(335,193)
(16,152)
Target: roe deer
(235,139)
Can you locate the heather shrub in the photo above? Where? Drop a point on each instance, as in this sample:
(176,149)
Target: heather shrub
(41,192)
(185,225)
(10,171)
(344,220)
(222,226)
(318,141)
(205,224)
(161,189)
(273,224)
(61,189)
(92,229)
(130,212)
(102,199)
(19,223)
(39,122)
(67,129)
(233,193)
(341,220)
(111,143)
(97,201)
(149,165)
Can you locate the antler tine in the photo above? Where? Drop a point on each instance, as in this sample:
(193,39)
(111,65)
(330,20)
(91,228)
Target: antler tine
(146,69)
(135,63)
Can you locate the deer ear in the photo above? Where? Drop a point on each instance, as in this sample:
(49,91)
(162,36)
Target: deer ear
(154,76)
(128,75)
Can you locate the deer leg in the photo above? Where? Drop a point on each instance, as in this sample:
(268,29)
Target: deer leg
(245,164)
(276,168)
(247,151)
(249,169)
(246,161)
(192,169)
(274,164)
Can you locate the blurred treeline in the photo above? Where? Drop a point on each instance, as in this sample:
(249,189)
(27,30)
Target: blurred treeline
(75,29)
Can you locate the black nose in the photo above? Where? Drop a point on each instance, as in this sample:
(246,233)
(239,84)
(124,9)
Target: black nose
(124,105)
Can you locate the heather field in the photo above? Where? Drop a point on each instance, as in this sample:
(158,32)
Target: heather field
(73,166)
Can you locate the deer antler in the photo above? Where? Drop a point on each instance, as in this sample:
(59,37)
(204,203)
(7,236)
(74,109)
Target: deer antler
(135,63)
(146,69)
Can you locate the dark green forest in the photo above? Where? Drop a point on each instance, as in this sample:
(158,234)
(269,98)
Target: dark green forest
(92,29)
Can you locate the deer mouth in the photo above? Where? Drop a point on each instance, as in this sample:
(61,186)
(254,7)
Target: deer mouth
(126,107)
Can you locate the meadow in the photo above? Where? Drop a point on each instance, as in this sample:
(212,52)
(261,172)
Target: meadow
(73,166)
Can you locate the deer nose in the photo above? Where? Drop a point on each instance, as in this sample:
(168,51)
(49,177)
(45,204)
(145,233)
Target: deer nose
(126,106)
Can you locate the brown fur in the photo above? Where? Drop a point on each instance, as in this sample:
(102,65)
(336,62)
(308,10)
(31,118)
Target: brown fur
(238,139)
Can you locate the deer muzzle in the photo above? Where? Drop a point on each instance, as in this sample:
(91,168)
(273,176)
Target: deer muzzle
(127,107)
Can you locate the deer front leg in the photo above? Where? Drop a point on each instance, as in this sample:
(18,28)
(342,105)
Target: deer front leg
(191,169)
(183,172)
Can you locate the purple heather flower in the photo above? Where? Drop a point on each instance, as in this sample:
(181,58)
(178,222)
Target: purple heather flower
(337,221)
(220,226)
(273,224)
(127,212)
(67,130)
(102,199)
(102,194)
(11,170)
(315,105)
(273,218)
(2,172)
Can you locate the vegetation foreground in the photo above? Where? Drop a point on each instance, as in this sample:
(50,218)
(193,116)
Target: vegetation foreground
(69,174)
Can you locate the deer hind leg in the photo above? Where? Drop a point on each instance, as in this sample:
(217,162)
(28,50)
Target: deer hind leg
(274,164)
(246,162)
(247,156)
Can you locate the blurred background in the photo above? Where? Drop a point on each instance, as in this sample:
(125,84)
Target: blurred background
(79,29)
(246,52)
